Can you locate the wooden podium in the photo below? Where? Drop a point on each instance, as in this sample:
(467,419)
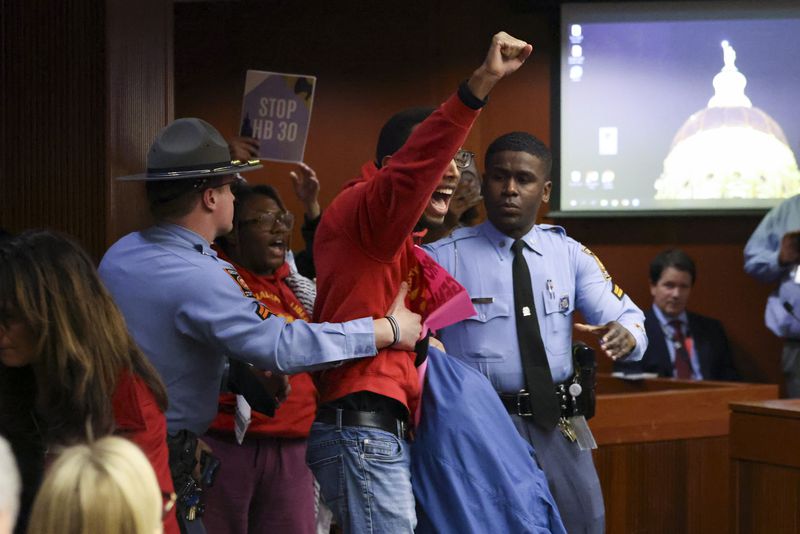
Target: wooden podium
(662,454)
(765,466)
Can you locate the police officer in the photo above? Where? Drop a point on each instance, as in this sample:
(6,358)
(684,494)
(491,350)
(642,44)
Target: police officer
(563,276)
(187,309)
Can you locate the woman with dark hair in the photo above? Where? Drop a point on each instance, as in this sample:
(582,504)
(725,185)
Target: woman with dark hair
(86,378)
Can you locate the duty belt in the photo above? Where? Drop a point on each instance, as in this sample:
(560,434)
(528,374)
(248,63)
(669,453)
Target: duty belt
(520,403)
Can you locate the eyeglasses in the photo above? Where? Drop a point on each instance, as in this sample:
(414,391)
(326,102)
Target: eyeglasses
(463,158)
(266,221)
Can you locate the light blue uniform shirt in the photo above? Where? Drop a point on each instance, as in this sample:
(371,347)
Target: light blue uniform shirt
(761,262)
(669,336)
(565,276)
(186,311)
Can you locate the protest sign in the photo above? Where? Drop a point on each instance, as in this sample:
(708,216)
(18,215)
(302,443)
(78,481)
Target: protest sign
(276,110)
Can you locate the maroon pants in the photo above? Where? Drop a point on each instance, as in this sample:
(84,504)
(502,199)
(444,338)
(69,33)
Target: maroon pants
(263,486)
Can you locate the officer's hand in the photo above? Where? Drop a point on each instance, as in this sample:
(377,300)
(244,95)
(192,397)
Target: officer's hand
(506,54)
(197,472)
(410,323)
(789,252)
(306,188)
(274,384)
(615,340)
(243,148)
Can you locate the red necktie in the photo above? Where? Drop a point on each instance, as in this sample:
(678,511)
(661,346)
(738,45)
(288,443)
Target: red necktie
(683,365)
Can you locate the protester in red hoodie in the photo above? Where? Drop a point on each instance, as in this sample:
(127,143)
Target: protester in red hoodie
(363,252)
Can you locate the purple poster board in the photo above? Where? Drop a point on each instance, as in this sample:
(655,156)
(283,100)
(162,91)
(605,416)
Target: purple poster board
(276,110)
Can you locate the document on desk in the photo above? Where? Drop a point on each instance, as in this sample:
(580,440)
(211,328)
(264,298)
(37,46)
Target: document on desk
(634,376)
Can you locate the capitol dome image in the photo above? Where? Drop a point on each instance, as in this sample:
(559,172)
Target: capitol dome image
(729,150)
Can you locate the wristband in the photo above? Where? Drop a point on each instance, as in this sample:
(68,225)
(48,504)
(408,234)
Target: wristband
(469,99)
(395,329)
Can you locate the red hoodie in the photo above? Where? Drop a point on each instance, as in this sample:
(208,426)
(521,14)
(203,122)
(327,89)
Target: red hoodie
(364,250)
(294,416)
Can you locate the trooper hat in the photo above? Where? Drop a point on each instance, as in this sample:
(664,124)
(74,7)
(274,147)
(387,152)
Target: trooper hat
(190,148)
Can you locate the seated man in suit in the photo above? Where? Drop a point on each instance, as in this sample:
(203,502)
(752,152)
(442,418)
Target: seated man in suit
(682,344)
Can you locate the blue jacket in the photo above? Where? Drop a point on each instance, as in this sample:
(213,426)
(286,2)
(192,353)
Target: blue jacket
(471,470)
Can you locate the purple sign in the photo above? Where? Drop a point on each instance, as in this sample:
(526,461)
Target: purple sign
(276,110)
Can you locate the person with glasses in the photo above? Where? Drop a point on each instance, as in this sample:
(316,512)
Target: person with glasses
(364,251)
(463,208)
(306,188)
(188,309)
(274,489)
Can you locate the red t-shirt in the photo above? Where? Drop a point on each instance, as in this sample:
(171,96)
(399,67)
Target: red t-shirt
(140,420)
(363,250)
(294,416)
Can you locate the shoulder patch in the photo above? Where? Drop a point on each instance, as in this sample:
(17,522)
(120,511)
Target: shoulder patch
(239,281)
(263,312)
(617,291)
(602,267)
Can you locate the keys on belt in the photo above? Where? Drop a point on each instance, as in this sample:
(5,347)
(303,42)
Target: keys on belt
(572,424)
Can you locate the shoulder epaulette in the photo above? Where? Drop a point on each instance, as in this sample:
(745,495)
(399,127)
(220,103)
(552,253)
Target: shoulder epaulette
(457,235)
(553,228)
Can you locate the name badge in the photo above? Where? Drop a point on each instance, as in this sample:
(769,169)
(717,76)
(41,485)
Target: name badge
(563,303)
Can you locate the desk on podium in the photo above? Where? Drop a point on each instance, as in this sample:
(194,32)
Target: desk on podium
(765,466)
(663,452)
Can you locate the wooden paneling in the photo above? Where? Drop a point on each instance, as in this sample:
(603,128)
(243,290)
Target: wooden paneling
(86,84)
(663,459)
(666,409)
(666,486)
(53,92)
(140,89)
(767,499)
(765,466)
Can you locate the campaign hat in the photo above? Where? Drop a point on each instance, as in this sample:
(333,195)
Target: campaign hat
(190,148)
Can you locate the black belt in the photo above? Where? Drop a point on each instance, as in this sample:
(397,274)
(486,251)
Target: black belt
(379,420)
(521,404)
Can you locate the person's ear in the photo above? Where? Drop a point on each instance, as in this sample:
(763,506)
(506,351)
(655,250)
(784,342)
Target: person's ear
(548,188)
(385,161)
(209,198)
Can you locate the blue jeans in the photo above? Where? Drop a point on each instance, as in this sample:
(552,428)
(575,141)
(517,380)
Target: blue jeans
(364,478)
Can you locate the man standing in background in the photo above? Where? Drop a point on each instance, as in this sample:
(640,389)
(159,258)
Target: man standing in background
(771,255)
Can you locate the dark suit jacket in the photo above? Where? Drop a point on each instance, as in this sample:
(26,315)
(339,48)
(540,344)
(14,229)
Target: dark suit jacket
(710,344)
